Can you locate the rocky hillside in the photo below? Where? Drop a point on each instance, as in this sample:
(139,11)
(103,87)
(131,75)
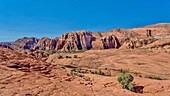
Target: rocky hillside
(24,43)
(83,40)
(159,25)
(5,44)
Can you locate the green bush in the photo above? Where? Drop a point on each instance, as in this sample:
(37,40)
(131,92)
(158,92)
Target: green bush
(125,79)
(131,86)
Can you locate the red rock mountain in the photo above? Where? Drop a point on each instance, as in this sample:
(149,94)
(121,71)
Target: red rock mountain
(24,43)
(80,40)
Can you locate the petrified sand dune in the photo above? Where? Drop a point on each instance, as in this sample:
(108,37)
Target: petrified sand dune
(16,80)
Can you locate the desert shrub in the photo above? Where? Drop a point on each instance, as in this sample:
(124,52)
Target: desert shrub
(32,54)
(63,67)
(96,72)
(72,72)
(75,72)
(155,77)
(87,78)
(53,52)
(68,57)
(75,56)
(100,72)
(92,72)
(60,57)
(80,71)
(131,86)
(80,75)
(47,52)
(125,79)
(122,71)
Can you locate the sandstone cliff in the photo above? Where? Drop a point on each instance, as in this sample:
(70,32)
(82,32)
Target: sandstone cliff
(80,40)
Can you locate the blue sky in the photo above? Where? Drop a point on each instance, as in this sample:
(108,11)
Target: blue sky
(51,18)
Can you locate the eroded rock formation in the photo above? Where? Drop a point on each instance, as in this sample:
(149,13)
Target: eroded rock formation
(45,44)
(110,42)
(24,43)
(80,40)
(77,41)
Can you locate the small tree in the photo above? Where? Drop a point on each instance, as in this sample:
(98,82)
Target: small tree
(126,81)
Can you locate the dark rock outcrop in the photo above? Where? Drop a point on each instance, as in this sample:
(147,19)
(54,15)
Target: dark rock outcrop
(5,45)
(110,42)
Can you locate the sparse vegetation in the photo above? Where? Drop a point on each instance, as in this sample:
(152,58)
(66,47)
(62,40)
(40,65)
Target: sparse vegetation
(60,57)
(96,72)
(68,57)
(79,51)
(72,51)
(63,67)
(99,72)
(53,52)
(80,75)
(46,52)
(74,72)
(80,71)
(87,78)
(75,56)
(154,77)
(122,71)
